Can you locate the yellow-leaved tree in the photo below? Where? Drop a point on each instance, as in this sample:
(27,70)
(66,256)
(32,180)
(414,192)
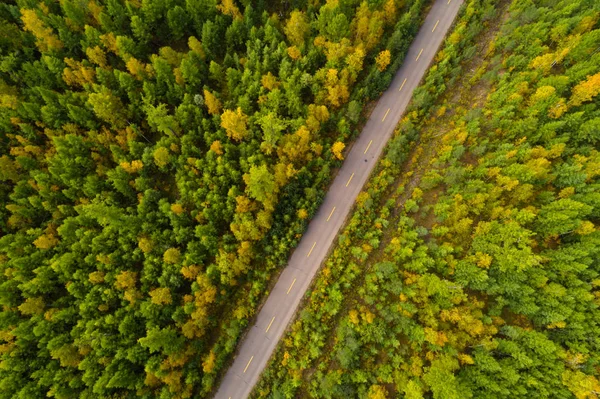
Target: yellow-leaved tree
(235,124)
(45,38)
(355,59)
(161,157)
(216,147)
(161,296)
(377,392)
(96,55)
(212,103)
(383,60)
(337,149)
(294,52)
(585,90)
(337,87)
(46,241)
(367,26)
(228,7)
(208,364)
(172,255)
(195,45)
(126,279)
(296,28)
(269,81)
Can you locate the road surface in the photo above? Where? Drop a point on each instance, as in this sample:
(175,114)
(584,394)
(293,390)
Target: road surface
(282,303)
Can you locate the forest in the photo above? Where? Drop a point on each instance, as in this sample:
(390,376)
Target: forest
(159,159)
(470,267)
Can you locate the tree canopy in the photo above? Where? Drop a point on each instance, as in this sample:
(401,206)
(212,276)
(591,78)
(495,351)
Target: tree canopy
(470,266)
(158,161)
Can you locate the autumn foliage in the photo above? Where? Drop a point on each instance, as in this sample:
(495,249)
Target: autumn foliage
(158,161)
(469,267)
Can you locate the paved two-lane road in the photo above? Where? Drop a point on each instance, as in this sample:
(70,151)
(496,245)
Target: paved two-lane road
(281,305)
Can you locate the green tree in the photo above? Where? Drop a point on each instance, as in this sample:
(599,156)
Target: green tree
(260,183)
(108,107)
(159,119)
(272,127)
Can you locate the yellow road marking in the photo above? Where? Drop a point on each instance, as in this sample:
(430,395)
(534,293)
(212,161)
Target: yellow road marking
(267,330)
(386,112)
(289,289)
(331,214)
(249,361)
(420,52)
(369,146)
(436,24)
(311,249)
(350,179)
(402,85)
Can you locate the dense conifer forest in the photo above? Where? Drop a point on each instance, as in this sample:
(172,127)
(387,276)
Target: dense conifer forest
(158,161)
(470,267)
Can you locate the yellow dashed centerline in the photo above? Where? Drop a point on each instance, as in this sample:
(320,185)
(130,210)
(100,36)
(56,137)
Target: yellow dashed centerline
(311,249)
(386,112)
(350,179)
(267,330)
(248,365)
(369,146)
(289,289)
(436,24)
(402,85)
(418,56)
(331,214)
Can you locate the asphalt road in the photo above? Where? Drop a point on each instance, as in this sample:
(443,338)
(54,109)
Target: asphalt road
(282,303)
